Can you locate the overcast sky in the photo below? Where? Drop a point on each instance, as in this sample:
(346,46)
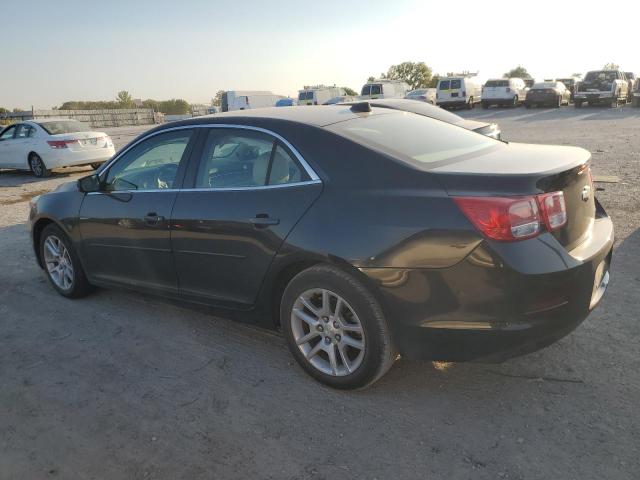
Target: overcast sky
(53,51)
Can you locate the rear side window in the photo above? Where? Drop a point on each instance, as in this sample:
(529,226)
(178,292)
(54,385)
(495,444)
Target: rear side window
(244,159)
(444,85)
(413,138)
(455,84)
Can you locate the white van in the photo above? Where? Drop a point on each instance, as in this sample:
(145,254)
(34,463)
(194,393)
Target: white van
(384,89)
(318,95)
(248,99)
(504,91)
(458,91)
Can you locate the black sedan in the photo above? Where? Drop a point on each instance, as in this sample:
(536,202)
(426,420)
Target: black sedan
(363,233)
(422,108)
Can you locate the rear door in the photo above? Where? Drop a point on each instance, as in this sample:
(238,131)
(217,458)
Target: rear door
(125,226)
(248,189)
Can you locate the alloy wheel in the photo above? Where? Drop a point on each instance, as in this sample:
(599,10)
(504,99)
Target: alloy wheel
(328,332)
(36,166)
(58,262)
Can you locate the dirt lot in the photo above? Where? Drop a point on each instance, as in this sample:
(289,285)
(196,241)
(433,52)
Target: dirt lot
(122,386)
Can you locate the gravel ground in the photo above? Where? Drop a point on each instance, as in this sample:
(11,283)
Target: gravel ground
(118,385)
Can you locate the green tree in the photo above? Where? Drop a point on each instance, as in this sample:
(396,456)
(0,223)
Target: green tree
(217,100)
(434,81)
(125,99)
(3,110)
(349,91)
(371,79)
(611,66)
(415,74)
(518,72)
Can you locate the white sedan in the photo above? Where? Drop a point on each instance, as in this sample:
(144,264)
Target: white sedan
(41,145)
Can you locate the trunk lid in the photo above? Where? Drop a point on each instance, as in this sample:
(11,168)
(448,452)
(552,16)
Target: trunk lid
(520,169)
(84,140)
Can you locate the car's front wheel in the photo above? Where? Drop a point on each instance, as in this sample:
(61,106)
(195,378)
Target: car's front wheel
(335,328)
(37,166)
(61,263)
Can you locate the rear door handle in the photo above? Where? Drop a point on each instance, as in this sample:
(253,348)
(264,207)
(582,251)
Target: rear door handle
(153,219)
(263,220)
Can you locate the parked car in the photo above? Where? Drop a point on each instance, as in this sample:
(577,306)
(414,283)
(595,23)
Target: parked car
(383,89)
(340,99)
(286,102)
(554,94)
(363,233)
(458,91)
(421,108)
(602,87)
(423,94)
(41,145)
(504,91)
(318,95)
(570,83)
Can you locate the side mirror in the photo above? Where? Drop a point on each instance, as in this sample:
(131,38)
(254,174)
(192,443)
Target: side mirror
(89,184)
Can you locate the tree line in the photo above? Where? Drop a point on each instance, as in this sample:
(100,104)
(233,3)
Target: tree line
(175,106)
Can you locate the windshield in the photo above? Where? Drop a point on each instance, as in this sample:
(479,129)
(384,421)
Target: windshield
(64,126)
(413,138)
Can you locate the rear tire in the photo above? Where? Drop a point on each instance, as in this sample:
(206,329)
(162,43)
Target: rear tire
(37,166)
(515,101)
(61,263)
(470,104)
(325,310)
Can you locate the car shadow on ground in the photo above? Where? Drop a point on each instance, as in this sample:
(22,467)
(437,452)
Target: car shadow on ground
(18,178)
(544,113)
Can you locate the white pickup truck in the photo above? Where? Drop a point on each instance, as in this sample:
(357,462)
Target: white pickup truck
(602,86)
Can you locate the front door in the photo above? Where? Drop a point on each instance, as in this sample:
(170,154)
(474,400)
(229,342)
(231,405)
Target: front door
(248,191)
(125,226)
(8,153)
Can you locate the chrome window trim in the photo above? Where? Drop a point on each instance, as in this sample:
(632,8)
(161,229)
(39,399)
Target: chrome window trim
(312,174)
(211,189)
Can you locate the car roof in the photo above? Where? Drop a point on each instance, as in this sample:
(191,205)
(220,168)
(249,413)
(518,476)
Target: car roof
(314,115)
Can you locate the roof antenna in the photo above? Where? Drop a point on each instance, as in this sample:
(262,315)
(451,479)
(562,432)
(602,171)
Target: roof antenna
(362,107)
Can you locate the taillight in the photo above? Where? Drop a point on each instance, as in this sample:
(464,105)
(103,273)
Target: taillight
(554,210)
(57,144)
(508,89)
(464,94)
(514,218)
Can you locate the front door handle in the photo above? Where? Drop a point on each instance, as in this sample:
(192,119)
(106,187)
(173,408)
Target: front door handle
(263,220)
(153,219)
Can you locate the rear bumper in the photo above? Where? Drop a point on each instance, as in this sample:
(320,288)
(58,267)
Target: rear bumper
(542,99)
(452,103)
(495,304)
(498,101)
(596,97)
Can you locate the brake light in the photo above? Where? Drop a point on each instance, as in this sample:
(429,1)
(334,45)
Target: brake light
(514,218)
(554,210)
(57,144)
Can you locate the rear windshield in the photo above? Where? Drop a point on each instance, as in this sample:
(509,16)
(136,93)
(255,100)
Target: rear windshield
(308,95)
(366,90)
(64,126)
(497,83)
(413,138)
(455,84)
(376,89)
(544,85)
(444,85)
(609,76)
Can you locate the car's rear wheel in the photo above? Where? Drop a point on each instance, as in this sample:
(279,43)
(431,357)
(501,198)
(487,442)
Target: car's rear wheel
(37,166)
(61,263)
(335,328)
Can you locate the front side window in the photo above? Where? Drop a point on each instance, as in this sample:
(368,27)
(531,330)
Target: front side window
(151,164)
(414,138)
(8,133)
(238,158)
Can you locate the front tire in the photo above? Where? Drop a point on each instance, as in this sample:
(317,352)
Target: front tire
(37,166)
(335,328)
(61,263)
